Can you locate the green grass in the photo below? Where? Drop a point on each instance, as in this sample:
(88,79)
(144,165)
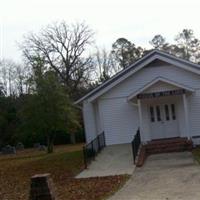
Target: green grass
(196,153)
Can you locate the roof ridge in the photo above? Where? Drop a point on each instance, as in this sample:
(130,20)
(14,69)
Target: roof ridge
(126,70)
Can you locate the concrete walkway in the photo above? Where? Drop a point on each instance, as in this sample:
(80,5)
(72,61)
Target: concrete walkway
(113,160)
(164,177)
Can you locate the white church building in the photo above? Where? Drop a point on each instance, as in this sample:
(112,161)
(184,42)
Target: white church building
(159,94)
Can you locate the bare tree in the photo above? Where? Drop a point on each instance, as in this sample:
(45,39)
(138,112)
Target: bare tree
(7,76)
(13,77)
(62,47)
(21,80)
(105,65)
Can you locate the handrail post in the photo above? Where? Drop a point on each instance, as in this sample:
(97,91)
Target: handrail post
(85,157)
(136,145)
(134,150)
(89,151)
(104,139)
(99,145)
(93,152)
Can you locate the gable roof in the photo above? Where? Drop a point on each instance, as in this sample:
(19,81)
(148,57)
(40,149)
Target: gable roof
(139,64)
(156,80)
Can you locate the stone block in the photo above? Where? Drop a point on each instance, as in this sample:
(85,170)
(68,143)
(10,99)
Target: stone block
(42,188)
(8,150)
(19,146)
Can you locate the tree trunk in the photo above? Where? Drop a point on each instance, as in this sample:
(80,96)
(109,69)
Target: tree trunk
(50,141)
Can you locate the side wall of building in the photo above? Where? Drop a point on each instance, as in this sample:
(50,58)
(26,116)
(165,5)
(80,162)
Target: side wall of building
(89,117)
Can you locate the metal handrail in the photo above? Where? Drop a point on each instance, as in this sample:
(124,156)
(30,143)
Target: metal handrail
(91,149)
(136,144)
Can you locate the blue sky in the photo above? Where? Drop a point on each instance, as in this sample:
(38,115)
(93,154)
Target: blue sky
(137,20)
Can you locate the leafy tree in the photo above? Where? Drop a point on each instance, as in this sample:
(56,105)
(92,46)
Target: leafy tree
(8,120)
(158,42)
(125,52)
(49,110)
(186,45)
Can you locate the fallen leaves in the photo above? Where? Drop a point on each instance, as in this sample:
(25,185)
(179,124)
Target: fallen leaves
(15,173)
(91,188)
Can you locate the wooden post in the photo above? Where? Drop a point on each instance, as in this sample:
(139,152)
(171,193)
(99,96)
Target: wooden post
(140,118)
(186,115)
(42,187)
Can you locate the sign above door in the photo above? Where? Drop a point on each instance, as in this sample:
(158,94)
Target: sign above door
(161,94)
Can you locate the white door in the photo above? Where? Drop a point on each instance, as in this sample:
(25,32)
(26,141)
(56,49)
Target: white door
(163,121)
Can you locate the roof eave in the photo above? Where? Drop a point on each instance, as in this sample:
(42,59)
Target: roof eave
(155,52)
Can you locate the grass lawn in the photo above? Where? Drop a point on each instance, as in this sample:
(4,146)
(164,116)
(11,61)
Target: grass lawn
(63,165)
(196,153)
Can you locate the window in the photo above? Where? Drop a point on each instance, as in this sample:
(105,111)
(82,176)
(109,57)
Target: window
(152,114)
(173,112)
(158,113)
(167,112)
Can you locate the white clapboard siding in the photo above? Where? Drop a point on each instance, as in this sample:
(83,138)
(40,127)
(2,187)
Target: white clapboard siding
(147,74)
(120,120)
(89,121)
(112,112)
(194,113)
(99,125)
(160,86)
